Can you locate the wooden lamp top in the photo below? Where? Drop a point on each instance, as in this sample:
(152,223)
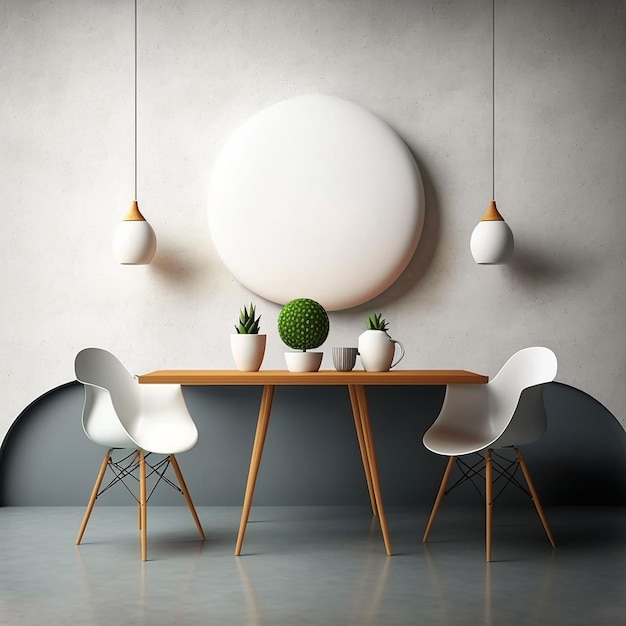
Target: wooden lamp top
(134,214)
(491,215)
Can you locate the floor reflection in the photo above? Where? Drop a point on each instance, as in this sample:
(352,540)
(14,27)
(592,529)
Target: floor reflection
(311,566)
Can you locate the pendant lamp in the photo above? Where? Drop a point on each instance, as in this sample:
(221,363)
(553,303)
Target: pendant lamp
(492,239)
(134,242)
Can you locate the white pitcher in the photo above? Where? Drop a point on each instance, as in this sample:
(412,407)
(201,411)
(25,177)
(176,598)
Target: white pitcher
(377,349)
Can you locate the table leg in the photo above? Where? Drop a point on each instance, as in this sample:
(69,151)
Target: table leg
(255,460)
(373,464)
(354,401)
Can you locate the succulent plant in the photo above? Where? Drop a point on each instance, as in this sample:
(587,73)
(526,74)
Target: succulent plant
(376,322)
(248,323)
(303,324)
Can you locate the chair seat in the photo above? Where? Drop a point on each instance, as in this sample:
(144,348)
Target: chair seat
(161,438)
(452,441)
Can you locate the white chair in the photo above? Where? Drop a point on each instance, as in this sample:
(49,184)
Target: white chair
(506,412)
(119,413)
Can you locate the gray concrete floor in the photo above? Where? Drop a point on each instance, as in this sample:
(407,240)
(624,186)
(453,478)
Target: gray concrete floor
(311,566)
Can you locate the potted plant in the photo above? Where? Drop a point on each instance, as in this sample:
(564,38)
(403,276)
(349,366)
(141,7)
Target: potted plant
(247,345)
(303,325)
(376,347)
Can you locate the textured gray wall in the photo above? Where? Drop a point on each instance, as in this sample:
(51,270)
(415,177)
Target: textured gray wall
(66,130)
(311,454)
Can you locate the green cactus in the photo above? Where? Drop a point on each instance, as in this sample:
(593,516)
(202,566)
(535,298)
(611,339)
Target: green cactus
(375,322)
(248,323)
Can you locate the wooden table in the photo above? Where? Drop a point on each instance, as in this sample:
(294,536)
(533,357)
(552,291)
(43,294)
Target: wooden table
(356,381)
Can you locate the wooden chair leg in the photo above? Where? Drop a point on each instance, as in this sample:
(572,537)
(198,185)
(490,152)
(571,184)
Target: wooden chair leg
(183,486)
(94,495)
(440,494)
(143,507)
(488,502)
(136,460)
(535,497)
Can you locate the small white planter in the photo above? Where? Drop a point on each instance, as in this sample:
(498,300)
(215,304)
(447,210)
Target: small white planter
(303,361)
(248,351)
(377,349)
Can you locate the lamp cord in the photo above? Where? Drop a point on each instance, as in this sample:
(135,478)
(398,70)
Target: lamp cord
(135,99)
(493,100)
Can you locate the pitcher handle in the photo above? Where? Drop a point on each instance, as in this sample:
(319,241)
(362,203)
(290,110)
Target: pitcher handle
(401,353)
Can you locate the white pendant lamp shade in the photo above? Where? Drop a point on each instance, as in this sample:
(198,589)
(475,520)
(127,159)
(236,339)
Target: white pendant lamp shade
(491,242)
(492,239)
(134,242)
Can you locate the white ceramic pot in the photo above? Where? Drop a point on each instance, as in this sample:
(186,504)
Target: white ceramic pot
(248,351)
(377,349)
(303,361)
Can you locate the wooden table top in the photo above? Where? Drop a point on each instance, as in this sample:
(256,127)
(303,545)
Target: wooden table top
(322,377)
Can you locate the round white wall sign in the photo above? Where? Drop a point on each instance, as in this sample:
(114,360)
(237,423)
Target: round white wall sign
(316,197)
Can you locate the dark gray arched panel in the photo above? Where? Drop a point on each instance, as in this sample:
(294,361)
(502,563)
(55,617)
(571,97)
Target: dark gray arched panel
(583,452)
(311,456)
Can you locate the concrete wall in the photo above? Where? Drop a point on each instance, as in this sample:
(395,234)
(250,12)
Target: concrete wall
(66,128)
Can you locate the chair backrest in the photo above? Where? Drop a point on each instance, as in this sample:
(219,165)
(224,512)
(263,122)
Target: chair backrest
(112,400)
(507,411)
(516,396)
(120,413)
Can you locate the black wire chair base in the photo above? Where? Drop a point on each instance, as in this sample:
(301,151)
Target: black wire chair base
(504,473)
(126,470)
